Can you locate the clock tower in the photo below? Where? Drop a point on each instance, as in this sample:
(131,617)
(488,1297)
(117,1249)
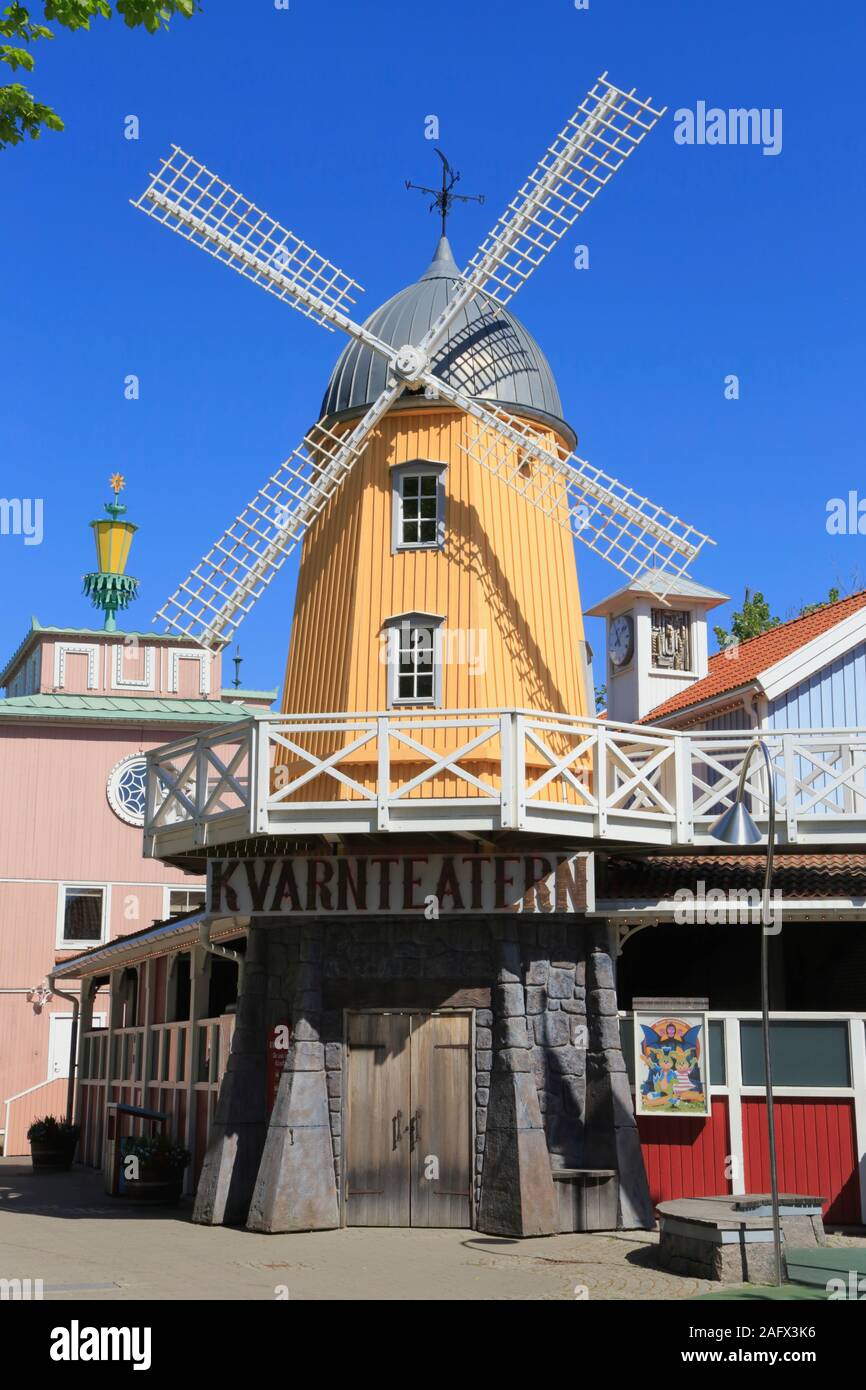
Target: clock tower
(654,647)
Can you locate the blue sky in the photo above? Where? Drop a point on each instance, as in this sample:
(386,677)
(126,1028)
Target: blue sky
(704,261)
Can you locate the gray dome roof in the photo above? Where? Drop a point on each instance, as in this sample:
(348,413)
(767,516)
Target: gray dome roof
(488,353)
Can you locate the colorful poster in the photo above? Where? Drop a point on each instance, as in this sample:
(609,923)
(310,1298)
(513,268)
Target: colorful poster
(671,1064)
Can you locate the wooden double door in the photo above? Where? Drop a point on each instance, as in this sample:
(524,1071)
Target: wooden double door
(409,1119)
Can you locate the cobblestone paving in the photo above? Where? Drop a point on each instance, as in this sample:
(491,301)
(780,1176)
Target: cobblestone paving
(616,1266)
(86,1246)
(846,1241)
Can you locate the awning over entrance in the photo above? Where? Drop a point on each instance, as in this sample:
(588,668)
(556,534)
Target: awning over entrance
(157,940)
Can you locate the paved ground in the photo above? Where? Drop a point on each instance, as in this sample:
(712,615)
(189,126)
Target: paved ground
(83,1245)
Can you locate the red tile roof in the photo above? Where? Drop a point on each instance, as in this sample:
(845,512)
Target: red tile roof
(740,665)
(796,876)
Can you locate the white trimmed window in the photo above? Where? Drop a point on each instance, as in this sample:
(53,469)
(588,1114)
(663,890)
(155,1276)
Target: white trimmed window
(418,505)
(183,901)
(81,915)
(414,659)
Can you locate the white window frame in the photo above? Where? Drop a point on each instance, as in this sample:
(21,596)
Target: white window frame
(122,682)
(64,649)
(75,946)
(181,888)
(392,627)
(424,468)
(178,654)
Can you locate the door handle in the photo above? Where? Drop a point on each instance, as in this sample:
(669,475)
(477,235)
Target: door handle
(396,1124)
(415,1129)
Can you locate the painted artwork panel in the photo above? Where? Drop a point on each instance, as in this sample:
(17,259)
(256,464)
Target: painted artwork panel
(671,1064)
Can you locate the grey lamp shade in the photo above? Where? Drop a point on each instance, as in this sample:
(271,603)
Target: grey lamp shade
(736,827)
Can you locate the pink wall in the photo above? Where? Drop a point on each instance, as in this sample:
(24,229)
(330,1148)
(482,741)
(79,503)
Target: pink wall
(58,822)
(56,826)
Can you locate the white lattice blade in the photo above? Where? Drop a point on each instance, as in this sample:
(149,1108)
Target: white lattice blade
(216,596)
(605,130)
(632,533)
(188,198)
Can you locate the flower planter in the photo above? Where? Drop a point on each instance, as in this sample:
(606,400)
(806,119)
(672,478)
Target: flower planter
(52,1150)
(153,1189)
(151,1169)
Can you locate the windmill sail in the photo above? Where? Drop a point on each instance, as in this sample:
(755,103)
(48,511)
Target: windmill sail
(222,588)
(188,198)
(631,532)
(604,131)
(593,145)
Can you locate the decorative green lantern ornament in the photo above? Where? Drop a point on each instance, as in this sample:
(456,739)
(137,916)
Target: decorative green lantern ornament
(109,587)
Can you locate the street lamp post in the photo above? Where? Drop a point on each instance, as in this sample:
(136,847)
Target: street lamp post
(736,827)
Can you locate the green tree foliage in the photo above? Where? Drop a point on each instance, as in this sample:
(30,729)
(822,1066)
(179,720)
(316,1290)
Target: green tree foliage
(754,618)
(20,113)
(749,621)
(832,597)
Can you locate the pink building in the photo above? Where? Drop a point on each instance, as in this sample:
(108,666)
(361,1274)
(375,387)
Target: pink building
(82,708)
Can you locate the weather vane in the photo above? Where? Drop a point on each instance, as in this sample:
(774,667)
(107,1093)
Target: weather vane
(444,197)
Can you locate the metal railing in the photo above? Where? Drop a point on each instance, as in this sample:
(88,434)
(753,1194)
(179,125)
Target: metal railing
(486,770)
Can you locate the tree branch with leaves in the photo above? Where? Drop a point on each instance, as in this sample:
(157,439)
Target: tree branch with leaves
(20,113)
(754,618)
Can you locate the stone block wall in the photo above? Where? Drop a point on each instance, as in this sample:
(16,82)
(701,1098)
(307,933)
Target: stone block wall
(546,1045)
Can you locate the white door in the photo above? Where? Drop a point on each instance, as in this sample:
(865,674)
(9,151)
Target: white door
(59,1038)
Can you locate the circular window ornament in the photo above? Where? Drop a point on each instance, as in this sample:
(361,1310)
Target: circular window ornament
(126,789)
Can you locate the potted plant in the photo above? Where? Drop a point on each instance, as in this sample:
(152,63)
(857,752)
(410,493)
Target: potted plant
(52,1144)
(151,1168)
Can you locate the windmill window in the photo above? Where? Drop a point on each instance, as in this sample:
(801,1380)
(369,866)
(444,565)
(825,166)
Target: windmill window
(418,506)
(414,650)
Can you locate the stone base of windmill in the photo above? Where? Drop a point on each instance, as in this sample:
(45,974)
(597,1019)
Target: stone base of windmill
(554,1142)
(730,1239)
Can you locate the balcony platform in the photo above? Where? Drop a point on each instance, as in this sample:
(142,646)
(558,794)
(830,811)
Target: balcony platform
(481,773)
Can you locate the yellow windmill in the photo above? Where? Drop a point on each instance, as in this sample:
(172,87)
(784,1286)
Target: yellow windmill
(439,495)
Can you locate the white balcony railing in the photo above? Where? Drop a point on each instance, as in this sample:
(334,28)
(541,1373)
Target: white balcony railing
(488,770)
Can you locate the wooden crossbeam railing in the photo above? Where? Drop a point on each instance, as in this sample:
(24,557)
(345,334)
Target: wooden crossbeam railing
(425,769)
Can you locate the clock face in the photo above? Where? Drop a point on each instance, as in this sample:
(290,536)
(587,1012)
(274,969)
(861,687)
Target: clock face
(620,640)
